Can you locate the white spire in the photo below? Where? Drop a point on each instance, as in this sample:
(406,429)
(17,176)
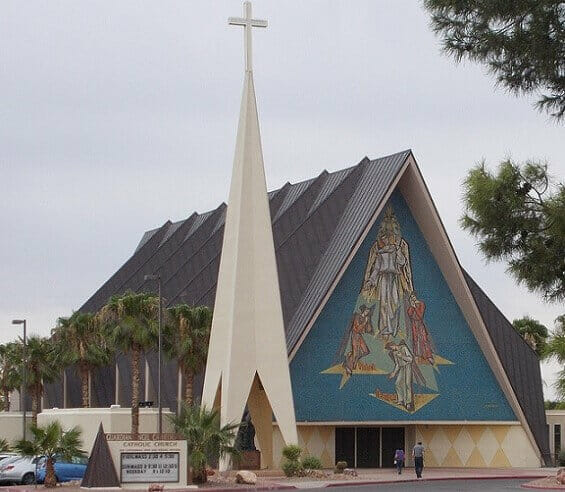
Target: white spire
(247,358)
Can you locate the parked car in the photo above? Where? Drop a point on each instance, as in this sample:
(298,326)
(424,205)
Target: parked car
(3,456)
(65,471)
(18,469)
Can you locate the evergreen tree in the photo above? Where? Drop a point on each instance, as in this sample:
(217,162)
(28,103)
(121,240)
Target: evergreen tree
(555,349)
(519,217)
(522,42)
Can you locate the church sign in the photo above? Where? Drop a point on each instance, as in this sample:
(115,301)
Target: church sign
(139,460)
(149,467)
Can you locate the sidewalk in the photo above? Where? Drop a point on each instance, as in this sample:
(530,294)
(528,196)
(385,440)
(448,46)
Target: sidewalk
(272,480)
(387,475)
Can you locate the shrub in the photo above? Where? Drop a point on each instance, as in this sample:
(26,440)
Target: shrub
(340,466)
(312,463)
(292,468)
(206,437)
(292,452)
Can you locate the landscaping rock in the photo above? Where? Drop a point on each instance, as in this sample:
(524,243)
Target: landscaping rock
(246,477)
(155,487)
(315,473)
(561,476)
(350,472)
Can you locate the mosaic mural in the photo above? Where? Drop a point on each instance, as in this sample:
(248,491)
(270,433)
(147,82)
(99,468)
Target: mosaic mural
(388,334)
(391,343)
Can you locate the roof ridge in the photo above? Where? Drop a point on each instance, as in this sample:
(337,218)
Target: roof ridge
(330,173)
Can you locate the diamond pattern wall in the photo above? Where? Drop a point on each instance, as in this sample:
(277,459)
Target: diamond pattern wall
(473,446)
(476,446)
(314,440)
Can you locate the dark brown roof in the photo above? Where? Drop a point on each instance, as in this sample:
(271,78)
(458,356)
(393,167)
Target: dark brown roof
(315,224)
(520,362)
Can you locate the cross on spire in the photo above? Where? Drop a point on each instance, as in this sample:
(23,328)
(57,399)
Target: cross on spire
(247,22)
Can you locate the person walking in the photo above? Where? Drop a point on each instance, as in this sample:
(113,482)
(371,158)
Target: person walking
(399,459)
(418,455)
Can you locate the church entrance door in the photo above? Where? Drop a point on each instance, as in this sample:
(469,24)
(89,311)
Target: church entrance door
(345,445)
(392,439)
(368,447)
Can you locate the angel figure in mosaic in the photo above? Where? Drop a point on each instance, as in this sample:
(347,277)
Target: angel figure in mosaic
(405,373)
(360,324)
(388,276)
(421,340)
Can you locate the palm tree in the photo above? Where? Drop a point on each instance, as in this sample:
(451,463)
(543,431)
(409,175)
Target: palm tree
(42,366)
(533,332)
(50,441)
(4,446)
(132,322)
(205,437)
(555,349)
(186,340)
(80,341)
(10,372)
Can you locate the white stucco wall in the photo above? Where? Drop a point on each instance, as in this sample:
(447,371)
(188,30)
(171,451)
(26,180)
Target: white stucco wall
(113,420)
(11,425)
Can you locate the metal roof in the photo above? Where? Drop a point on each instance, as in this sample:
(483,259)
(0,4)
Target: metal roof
(520,362)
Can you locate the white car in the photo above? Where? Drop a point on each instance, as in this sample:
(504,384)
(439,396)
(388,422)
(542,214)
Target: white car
(3,456)
(18,469)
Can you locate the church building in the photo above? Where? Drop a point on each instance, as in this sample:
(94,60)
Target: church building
(390,341)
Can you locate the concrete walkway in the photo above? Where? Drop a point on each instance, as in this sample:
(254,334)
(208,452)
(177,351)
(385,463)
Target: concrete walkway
(387,475)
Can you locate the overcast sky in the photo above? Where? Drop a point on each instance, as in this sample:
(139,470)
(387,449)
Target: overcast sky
(116,116)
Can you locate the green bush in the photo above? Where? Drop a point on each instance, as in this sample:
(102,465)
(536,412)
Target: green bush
(312,463)
(292,452)
(561,457)
(292,468)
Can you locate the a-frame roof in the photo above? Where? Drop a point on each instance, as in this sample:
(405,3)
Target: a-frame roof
(317,225)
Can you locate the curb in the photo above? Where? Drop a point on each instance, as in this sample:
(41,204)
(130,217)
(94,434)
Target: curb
(538,487)
(438,479)
(241,489)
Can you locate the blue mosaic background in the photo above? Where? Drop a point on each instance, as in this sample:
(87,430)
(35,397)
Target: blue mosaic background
(467,389)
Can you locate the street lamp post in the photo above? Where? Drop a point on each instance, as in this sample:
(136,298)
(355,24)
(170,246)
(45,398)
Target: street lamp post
(24,373)
(160,419)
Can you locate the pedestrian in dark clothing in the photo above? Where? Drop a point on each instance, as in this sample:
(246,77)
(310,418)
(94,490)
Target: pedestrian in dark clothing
(399,459)
(418,455)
